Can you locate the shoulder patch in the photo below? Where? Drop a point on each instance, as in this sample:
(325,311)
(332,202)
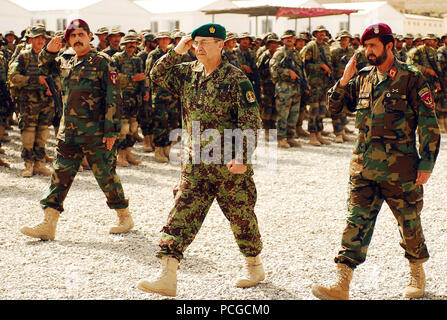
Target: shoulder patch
(248,93)
(426,97)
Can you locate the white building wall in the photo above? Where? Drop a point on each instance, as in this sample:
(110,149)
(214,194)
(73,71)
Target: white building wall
(13,17)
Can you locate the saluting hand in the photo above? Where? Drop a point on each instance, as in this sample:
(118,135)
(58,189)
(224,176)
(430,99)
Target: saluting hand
(55,45)
(350,70)
(184,45)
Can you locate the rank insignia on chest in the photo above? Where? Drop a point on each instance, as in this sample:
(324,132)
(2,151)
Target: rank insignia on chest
(250,95)
(426,97)
(114,77)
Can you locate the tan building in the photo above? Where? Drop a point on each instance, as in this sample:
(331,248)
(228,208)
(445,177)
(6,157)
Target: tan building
(423,24)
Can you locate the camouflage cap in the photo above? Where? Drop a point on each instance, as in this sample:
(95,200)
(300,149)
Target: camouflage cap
(50,34)
(356,36)
(273,37)
(342,34)
(163,34)
(59,33)
(102,30)
(288,33)
(178,34)
(429,36)
(149,36)
(116,30)
(443,36)
(301,36)
(320,28)
(36,31)
(9,33)
(231,36)
(400,37)
(409,36)
(418,36)
(130,37)
(244,35)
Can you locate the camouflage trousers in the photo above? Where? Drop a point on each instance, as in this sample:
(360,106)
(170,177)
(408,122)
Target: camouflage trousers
(103,164)
(288,106)
(144,118)
(339,121)
(36,115)
(268,109)
(165,115)
(365,201)
(317,112)
(199,186)
(127,137)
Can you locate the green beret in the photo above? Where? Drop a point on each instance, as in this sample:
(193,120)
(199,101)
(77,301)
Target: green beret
(210,30)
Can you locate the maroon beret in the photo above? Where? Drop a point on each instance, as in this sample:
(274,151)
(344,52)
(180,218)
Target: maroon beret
(376,30)
(75,24)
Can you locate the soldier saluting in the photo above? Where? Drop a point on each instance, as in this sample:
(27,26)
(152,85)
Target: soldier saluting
(393,101)
(90,125)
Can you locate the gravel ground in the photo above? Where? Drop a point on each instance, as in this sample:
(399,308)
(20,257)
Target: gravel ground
(301,211)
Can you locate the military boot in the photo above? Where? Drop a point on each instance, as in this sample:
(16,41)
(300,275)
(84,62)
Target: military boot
(339,137)
(49,159)
(282,143)
(160,155)
(3,163)
(122,158)
(125,222)
(130,158)
(293,143)
(47,229)
(321,139)
(301,132)
(313,139)
(147,146)
(40,168)
(346,138)
(347,130)
(28,171)
(416,286)
(255,272)
(166,283)
(339,290)
(167,151)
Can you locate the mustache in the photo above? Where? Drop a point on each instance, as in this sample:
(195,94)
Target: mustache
(77,43)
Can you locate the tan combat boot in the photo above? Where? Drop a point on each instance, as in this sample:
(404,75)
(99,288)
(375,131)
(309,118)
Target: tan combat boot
(147,146)
(167,151)
(40,168)
(255,272)
(346,138)
(282,143)
(313,139)
(293,143)
(347,130)
(416,286)
(160,155)
(122,158)
(125,222)
(3,163)
(47,229)
(301,132)
(166,283)
(339,138)
(130,158)
(321,139)
(28,171)
(339,290)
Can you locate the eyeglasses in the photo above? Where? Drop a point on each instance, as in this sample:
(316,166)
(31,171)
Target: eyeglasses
(203,43)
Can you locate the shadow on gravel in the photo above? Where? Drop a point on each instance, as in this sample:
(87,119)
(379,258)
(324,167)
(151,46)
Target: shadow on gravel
(433,296)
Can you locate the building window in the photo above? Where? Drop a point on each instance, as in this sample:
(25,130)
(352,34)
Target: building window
(174,24)
(154,26)
(61,24)
(267,26)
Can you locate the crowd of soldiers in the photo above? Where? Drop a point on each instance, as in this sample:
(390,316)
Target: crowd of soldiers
(290,74)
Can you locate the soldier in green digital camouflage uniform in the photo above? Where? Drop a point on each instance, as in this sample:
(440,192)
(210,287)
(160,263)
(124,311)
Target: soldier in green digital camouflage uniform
(442,60)
(399,50)
(216,96)
(114,40)
(102,34)
(318,72)
(90,126)
(247,62)
(286,67)
(163,102)
(393,103)
(340,56)
(424,57)
(35,103)
(131,79)
(229,50)
(5,105)
(145,113)
(269,113)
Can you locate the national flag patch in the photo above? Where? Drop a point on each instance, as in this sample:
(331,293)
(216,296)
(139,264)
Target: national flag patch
(114,77)
(426,97)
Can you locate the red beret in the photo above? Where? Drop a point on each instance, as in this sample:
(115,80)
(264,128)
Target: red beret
(75,24)
(376,30)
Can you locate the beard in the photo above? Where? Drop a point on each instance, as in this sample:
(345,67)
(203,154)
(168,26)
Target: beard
(378,60)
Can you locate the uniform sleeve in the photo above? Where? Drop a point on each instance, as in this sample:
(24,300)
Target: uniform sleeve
(278,72)
(339,97)
(16,72)
(414,58)
(248,117)
(109,83)
(307,57)
(427,130)
(168,73)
